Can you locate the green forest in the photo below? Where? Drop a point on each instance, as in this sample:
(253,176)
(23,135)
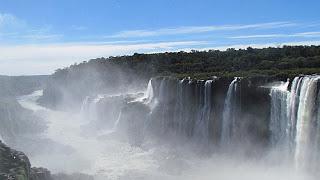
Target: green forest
(281,62)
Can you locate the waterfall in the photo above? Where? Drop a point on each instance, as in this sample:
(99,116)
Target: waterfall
(229,115)
(115,126)
(1,139)
(149,93)
(91,101)
(279,123)
(201,131)
(292,111)
(85,104)
(184,107)
(89,108)
(102,111)
(294,120)
(306,124)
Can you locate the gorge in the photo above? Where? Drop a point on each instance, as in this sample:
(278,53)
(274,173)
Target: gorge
(78,126)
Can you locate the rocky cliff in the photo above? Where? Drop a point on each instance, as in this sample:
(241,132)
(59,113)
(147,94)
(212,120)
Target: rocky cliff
(15,165)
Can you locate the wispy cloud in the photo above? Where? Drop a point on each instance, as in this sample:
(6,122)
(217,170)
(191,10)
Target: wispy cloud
(308,34)
(258,36)
(40,50)
(302,34)
(13,29)
(257,45)
(41,36)
(197,29)
(44,59)
(8,22)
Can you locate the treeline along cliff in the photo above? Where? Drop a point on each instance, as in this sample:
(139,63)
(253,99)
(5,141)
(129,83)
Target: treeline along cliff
(118,74)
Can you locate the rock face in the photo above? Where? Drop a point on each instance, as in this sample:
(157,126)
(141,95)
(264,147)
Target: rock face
(132,120)
(15,165)
(217,111)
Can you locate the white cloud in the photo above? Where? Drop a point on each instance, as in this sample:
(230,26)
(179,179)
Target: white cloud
(44,59)
(197,29)
(40,58)
(308,34)
(257,36)
(41,36)
(13,29)
(257,45)
(9,22)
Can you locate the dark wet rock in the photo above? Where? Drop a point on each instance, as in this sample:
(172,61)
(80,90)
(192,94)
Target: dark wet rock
(15,165)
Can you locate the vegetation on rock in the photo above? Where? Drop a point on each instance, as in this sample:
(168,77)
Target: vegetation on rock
(287,61)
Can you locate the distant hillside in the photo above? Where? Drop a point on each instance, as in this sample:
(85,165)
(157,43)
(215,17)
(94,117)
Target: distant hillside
(21,85)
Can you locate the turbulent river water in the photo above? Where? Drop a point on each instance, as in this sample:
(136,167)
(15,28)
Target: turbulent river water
(71,150)
(68,145)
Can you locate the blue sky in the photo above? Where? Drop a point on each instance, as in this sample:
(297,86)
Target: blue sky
(38,36)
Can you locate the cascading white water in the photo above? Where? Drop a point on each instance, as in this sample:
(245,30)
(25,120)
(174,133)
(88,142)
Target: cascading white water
(229,115)
(292,110)
(278,114)
(85,104)
(103,111)
(89,107)
(201,131)
(305,128)
(294,120)
(186,108)
(114,127)
(149,93)
(1,139)
(189,116)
